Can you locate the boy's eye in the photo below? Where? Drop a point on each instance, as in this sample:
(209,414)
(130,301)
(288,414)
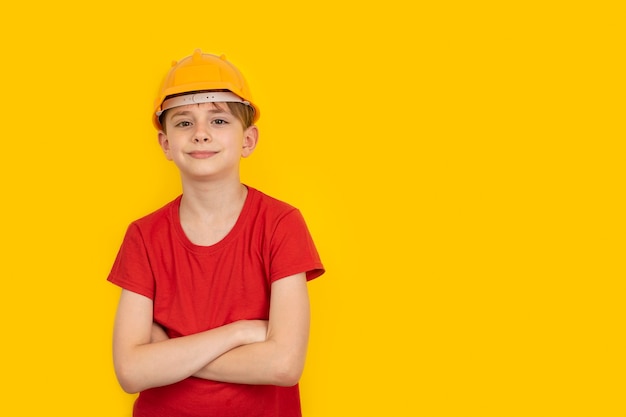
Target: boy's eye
(183,124)
(220,121)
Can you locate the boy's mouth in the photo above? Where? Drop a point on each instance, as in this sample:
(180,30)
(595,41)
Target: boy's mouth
(202,154)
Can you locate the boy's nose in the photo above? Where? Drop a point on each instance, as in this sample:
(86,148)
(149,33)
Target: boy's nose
(201,136)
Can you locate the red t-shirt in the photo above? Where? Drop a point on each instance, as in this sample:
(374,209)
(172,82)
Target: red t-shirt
(196,288)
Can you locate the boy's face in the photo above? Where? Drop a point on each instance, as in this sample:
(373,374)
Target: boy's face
(206,141)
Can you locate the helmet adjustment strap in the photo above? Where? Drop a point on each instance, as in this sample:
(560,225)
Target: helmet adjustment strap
(204,97)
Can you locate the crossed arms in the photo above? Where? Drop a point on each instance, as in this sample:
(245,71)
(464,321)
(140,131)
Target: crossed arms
(246,352)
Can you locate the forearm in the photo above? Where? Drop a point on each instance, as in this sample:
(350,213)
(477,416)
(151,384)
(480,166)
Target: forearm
(265,363)
(166,362)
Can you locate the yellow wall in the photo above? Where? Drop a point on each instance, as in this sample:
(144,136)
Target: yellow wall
(460,166)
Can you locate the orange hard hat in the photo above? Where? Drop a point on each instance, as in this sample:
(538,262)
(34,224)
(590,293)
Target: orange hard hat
(202,73)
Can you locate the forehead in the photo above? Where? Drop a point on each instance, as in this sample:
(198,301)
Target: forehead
(218,108)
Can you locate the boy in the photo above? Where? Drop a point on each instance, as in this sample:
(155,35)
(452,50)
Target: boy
(213,318)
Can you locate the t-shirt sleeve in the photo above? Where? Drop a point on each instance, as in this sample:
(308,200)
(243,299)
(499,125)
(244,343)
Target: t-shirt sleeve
(293,250)
(131,269)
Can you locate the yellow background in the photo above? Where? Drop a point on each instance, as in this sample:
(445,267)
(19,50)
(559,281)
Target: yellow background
(460,165)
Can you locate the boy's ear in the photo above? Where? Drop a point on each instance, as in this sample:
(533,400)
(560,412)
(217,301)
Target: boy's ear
(165,144)
(250,139)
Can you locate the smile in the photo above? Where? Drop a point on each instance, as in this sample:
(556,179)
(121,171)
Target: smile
(201,154)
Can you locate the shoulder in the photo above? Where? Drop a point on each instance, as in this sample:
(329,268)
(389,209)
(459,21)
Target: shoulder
(268,204)
(269,201)
(273,213)
(157,218)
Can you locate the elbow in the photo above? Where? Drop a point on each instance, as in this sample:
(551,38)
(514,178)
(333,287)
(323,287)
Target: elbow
(286,381)
(129,389)
(126,379)
(288,372)
(128,386)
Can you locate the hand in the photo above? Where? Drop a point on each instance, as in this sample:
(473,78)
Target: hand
(158,334)
(253,330)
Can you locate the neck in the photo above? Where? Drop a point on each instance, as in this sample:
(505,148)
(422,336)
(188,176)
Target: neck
(212,199)
(208,214)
